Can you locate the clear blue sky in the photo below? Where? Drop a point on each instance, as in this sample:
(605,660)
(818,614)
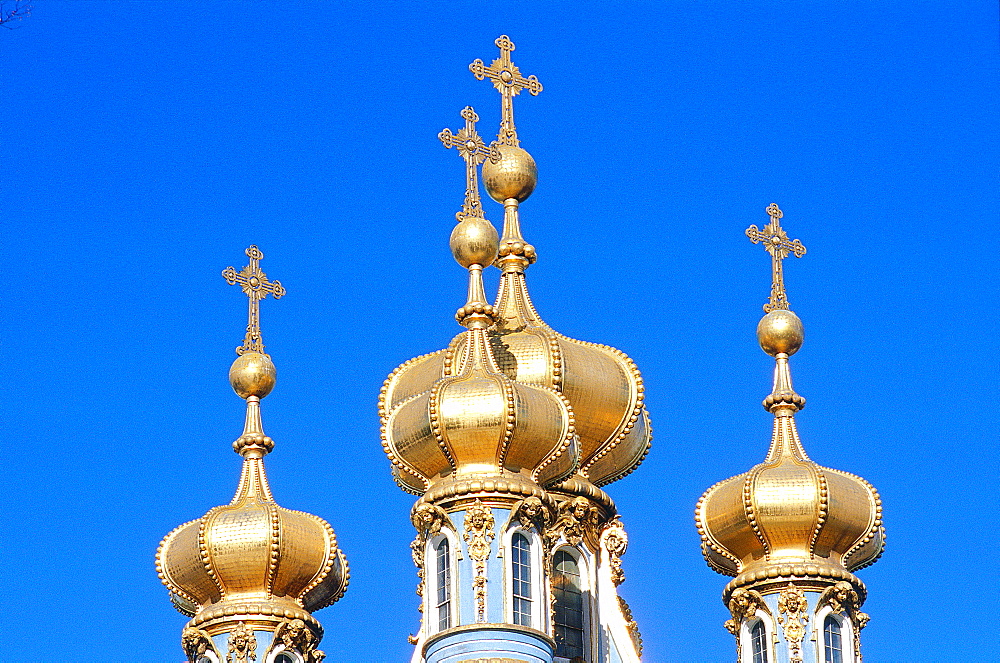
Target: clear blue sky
(146,144)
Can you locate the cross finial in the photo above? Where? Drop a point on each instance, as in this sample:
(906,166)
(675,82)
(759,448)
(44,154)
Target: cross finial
(256,287)
(776,243)
(471,148)
(508,80)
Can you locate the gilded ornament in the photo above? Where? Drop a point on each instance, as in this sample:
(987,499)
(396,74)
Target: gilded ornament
(507,79)
(196,643)
(780,332)
(614,540)
(532,513)
(577,520)
(511,177)
(743,605)
(631,625)
(793,614)
(474,151)
(256,287)
(295,635)
(844,599)
(776,243)
(479,524)
(242,645)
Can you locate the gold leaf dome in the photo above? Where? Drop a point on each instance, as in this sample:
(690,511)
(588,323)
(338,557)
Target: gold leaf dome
(251,557)
(602,384)
(789,516)
(454,416)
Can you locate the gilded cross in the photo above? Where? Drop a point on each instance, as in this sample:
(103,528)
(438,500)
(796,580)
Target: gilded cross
(776,243)
(508,79)
(471,148)
(255,286)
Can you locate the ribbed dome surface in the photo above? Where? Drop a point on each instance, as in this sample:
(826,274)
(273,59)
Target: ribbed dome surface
(252,551)
(790,510)
(473,421)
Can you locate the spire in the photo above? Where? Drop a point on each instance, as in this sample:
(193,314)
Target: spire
(790,530)
(251,568)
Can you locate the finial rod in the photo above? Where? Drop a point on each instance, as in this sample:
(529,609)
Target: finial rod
(256,287)
(506,78)
(776,243)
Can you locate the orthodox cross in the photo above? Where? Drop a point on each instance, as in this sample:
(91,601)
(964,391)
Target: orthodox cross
(776,243)
(471,148)
(255,286)
(508,79)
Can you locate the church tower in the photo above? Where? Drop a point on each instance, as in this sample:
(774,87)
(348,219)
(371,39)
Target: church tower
(790,531)
(507,435)
(251,573)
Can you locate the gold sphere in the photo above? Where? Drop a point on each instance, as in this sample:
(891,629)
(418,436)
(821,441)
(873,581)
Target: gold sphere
(252,374)
(474,241)
(513,176)
(780,331)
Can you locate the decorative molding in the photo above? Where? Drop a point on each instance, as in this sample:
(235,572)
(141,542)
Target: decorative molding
(242,645)
(793,615)
(743,605)
(479,524)
(428,519)
(843,599)
(196,643)
(615,541)
(578,520)
(531,512)
(630,623)
(294,635)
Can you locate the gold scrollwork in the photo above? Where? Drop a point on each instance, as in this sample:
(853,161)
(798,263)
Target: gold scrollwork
(242,645)
(793,615)
(294,635)
(479,524)
(842,598)
(615,541)
(577,521)
(743,605)
(196,643)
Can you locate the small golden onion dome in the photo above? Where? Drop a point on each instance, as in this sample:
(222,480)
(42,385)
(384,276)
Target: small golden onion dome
(789,516)
(513,176)
(252,559)
(474,421)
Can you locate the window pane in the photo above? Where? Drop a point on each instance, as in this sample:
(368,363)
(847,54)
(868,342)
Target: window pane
(568,615)
(443,585)
(832,648)
(758,642)
(521,579)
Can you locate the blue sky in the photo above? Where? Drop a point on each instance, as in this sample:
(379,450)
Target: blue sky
(146,144)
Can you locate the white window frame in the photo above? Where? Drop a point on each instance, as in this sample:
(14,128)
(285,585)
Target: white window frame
(587,588)
(430,581)
(210,655)
(280,649)
(539,597)
(746,639)
(846,634)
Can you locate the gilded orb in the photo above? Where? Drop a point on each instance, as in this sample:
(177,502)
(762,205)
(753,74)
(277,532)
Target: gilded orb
(474,241)
(252,374)
(780,331)
(513,176)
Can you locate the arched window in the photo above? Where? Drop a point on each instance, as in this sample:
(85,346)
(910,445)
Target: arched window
(443,579)
(758,642)
(833,651)
(567,592)
(521,576)
(285,657)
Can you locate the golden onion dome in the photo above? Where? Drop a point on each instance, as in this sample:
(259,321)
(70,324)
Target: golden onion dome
(789,516)
(471,422)
(252,559)
(602,384)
